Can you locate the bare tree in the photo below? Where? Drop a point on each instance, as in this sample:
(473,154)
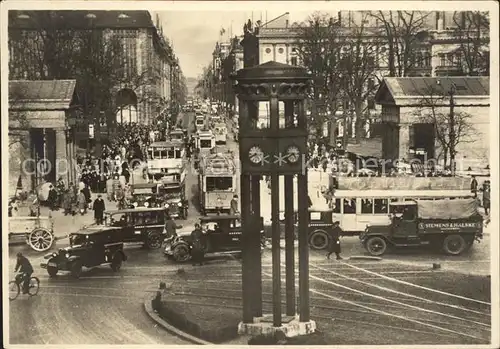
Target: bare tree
(18,119)
(472,33)
(318,50)
(404,33)
(358,79)
(451,127)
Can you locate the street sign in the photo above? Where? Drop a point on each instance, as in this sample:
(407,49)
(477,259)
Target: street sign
(91,131)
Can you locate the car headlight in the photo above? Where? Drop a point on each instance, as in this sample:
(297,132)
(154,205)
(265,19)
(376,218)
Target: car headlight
(66,255)
(146,204)
(166,205)
(54,254)
(179,204)
(135,204)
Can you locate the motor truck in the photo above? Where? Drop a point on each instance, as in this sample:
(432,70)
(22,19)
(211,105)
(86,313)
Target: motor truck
(449,225)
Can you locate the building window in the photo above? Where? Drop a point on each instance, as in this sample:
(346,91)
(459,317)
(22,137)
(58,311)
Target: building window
(451,59)
(442,59)
(268,50)
(294,60)
(280,50)
(427,60)
(294,49)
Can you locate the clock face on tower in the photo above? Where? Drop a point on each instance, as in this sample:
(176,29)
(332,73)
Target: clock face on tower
(255,154)
(293,154)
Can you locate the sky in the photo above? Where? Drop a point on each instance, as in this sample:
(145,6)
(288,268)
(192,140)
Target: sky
(193,35)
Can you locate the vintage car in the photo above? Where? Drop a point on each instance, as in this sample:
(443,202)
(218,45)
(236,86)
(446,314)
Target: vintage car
(199,121)
(222,236)
(173,195)
(319,229)
(90,247)
(138,225)
(220,132)
(146,195)
(451,225)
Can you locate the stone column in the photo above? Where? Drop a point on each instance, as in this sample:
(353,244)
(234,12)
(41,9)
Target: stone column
(62,165)
(274,52)
(404,141)
(287,53)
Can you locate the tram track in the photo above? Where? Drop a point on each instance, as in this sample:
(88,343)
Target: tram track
(385,306)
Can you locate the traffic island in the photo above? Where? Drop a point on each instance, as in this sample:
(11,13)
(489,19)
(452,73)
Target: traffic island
(214,315)
(203,320)
(291,327)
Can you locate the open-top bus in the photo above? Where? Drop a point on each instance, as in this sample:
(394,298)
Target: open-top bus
(165,157)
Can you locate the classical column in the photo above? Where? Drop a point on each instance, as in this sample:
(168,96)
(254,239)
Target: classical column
(286,53)
(62,165)
(274,52)
(404,141)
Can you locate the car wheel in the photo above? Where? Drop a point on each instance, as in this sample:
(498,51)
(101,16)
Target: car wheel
(376,246)
(181,253)
(154,240)
(319,240)
(76,269)
(116,263)
(52,271)
(454,245)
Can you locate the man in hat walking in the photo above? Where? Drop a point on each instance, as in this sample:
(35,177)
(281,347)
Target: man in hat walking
(334,246)
(99,208)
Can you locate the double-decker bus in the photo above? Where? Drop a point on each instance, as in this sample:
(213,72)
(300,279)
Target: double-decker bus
(165,157)
(217,182)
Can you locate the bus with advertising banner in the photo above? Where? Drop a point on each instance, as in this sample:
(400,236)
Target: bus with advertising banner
(165,157)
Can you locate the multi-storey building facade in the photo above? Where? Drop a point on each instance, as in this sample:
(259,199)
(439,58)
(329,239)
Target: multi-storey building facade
(149,67)
(438,50)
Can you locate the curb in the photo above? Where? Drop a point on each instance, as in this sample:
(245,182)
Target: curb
(169,328)
(369,258)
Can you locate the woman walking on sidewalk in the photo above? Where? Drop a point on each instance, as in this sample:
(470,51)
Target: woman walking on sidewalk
(82,203)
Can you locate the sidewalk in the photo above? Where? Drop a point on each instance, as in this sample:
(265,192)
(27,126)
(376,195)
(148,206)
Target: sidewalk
(65,225)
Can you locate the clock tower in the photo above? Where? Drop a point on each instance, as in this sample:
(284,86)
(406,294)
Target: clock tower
(273,142)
